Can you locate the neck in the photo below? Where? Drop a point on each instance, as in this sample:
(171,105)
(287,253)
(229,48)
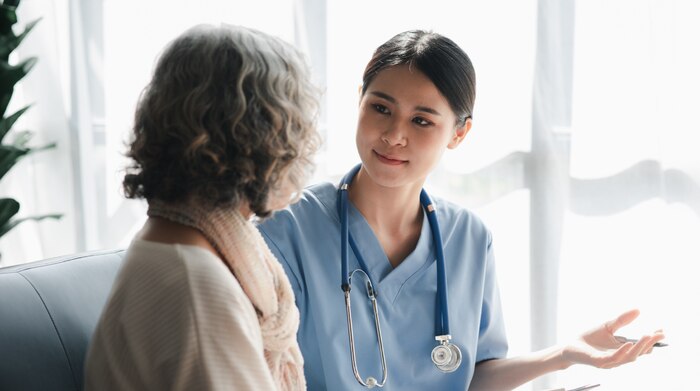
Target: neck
(386,209)
(394,213)
(245,211)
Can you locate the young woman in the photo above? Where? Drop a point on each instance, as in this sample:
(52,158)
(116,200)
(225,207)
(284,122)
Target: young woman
(224,131)
(426,264)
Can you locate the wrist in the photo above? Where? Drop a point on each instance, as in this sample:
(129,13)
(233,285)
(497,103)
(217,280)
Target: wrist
(561,360)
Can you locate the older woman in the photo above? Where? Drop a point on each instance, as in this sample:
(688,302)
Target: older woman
(224,131)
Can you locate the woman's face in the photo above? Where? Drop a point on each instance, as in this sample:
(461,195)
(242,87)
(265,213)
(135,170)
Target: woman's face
(404,126)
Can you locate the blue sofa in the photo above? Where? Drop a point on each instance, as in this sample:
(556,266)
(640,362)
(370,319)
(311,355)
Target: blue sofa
(48,312)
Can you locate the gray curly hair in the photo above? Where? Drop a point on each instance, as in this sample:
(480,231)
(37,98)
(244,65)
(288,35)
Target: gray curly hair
(228,117)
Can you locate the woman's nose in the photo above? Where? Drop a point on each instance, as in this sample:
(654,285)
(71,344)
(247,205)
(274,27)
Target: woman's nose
(395,134)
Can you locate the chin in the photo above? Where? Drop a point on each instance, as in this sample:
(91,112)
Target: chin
(387,176)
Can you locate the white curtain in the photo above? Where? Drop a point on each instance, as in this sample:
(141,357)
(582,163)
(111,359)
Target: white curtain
(631,228)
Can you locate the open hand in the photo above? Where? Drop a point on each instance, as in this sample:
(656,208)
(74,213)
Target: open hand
(599,347)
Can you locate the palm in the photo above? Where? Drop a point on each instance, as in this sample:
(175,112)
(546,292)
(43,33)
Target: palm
(598,347)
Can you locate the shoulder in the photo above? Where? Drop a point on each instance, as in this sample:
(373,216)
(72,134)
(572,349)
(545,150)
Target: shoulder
(320,198)
(294,233)
(175,262)
(179,287)
(456,219)
(179,275)
(207,275)
(315,206)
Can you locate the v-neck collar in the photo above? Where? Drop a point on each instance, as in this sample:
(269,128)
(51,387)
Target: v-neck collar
(389,279)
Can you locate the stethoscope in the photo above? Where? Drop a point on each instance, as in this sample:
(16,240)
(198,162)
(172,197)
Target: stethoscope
(446,356)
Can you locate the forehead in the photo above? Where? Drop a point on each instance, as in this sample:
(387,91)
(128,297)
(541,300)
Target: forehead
(408,85)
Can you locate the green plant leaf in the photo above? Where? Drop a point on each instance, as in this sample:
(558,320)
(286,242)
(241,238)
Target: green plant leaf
(6,46)
(9,41)
(5,97)
(5,228)
(21,139)
(18,40)
(42,148)
(9,155)
(8,208)
(8,17)
(6,123)
(9,76)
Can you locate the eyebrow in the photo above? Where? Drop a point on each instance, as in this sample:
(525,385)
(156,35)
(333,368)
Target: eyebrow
(392,100)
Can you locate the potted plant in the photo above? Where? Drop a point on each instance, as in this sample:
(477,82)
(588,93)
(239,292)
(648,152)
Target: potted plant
(12,151)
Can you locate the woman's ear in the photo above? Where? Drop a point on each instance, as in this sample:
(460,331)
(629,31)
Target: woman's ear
(460,134)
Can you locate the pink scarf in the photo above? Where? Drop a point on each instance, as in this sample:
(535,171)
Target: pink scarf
(261,276)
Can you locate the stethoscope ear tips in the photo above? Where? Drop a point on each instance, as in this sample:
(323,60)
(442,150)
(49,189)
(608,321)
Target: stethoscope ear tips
(446,357)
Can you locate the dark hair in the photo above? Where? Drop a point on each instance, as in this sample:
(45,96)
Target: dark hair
(436,56)
(229,116)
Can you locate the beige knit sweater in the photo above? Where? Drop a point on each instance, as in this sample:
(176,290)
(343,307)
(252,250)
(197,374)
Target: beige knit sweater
(208,335)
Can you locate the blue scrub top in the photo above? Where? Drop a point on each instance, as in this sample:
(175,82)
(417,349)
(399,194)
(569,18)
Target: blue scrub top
(305,237)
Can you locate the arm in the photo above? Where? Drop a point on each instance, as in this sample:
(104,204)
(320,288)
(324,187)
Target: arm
(597,347)
(509,373)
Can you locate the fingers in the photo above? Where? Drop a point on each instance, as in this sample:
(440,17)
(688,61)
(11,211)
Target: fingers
(659,335)
(629,351)
(622,320)
(656,337)
(643,345)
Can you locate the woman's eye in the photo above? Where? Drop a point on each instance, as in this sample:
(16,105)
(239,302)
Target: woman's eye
(421,121)
(381,108)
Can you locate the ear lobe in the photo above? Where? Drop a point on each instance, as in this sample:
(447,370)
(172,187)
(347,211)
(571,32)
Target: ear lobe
(459,134)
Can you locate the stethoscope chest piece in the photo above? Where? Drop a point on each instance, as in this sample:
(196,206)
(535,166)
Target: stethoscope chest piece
(447,357)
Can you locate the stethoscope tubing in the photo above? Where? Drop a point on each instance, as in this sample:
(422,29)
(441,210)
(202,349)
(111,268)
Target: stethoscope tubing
(442,322)
(346,237)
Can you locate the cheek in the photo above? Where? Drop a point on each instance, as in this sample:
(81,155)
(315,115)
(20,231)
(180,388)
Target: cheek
(358,134)
(362,134)
(445,137)
(432,146)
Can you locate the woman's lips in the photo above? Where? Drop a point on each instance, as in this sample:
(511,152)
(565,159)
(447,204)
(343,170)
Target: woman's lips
(389,160)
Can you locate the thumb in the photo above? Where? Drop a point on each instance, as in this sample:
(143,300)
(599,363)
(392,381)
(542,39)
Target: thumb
(622,320)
